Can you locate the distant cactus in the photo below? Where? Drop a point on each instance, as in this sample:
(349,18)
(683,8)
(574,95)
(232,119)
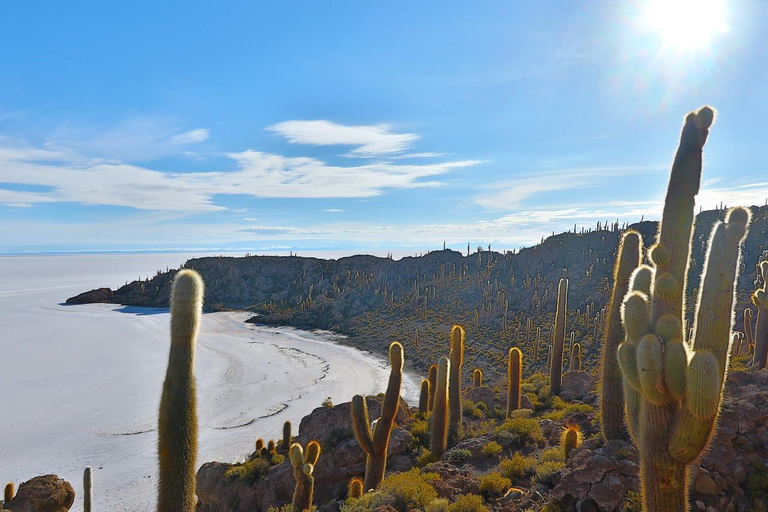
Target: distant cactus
(271,446)
(575,364)
(259,444)
(748,326)
(678,383)
(514,379)
(477,378)
(556,369)
(432,384)
(355,489)
(87,489)
(424,397)
(10,492)
(439,434)
(454,397)
(611,395)
(177,423)
(760,300)
(376,443)
(287,437)
(303,472)
(570,439)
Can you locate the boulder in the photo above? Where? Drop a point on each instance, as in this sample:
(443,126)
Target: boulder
(577,385)
(47,493)
(97,295)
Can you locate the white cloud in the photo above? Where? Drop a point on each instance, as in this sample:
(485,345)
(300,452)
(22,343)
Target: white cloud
(375,140)
(190,137)
(333,210)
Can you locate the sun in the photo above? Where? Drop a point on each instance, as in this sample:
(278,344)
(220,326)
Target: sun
(685,26)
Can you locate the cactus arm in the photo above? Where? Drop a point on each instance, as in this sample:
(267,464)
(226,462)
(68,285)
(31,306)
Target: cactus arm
(361,423)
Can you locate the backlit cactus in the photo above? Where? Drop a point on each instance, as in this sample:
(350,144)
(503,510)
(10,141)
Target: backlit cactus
(611,395)
(355,488)
(514,379)
(177,422)
(760,300)
(287,437)
(575,360)
(673,386)
(304,463)
(424,397)
(570,439)
(9,493)
(454,397)
(438,439)
(87,489)
(375,443)
(556,363)
(259,444)
(748,326)
(432,384)
(477,378)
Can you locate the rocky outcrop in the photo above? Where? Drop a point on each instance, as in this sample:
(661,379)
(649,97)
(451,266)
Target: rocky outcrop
(97,295)
(577,385)
(47,493)
(340,460)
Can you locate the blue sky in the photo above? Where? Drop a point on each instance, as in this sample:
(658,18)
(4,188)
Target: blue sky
(363,125)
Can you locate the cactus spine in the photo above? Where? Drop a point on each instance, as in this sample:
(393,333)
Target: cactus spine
(760,300)
(454,397)
(556,368)
(477,378)
(439,436)
(355,488)
(611,394)
(177,422)
(286,444)
(432,384)
(303,472)
(375,443)
(677,382)
(424,397)
(514,379)
(87,489)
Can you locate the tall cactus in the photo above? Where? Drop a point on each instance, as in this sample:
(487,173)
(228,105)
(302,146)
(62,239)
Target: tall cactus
(477,378)
(611,394)
(748,325)
(678,383)
(177,422)
(287,437)
(556,369)
(432,384)
(454,397)
(514,380)
(87,489)
(424,397)
(375,443)
(303,472)
(760,300)
(438,439)
(575,364)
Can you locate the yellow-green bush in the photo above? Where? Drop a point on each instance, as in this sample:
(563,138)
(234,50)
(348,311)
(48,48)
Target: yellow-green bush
(553,454)
(493,485)
(546,471)
(402,491)
(437,505)
(518,466)
(567,411)
(252,471)
(420,431)
(523,431)
(468,503)
(492,449)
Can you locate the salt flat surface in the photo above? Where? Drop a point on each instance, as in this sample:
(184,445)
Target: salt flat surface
(81,384)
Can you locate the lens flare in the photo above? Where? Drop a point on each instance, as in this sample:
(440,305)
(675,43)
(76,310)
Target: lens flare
(685,25)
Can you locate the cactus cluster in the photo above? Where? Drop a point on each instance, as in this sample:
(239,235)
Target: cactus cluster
(760,300)
(303,462)
(673,385)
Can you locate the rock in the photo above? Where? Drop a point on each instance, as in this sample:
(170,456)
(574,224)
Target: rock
(487,396)
(705,485)
(453,481)
(474,445)
(97,295)
(47,493)
(577,385)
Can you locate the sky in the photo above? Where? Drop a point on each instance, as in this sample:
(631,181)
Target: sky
(354,126)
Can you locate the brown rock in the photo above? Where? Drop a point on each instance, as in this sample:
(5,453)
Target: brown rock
(705,485)
(47,493)
(97,295)
(577,385)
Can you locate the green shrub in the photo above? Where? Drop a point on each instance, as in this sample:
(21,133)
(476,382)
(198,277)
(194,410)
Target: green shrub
(252,471)
(459,455)
(521,413)
(553,454)
(420,431)
(471,410)
(518,466)
(468,503)
(424,458)
(492,449)
(493,485)
(327,403)
(402,491)
(546,471)
(568,410)
(437,505)
(523,431)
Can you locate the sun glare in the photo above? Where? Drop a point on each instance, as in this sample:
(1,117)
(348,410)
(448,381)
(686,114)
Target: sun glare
(685,25)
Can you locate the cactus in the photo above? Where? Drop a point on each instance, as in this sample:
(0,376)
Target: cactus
(432,384)
(454,396)
(10,492)
(375,443)
(514,379)
(271,447)
(556,363)
(611,396)
(477,378)
(575,364)
(259,444)
(673,386)
(177,422)
(303,472)
(355,488)
(760,300)
(286,444)
(439,434)
(748,325)
(424,397)
(87,489)
(570,439)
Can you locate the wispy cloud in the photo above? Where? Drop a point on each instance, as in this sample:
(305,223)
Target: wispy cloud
(190,137)
(372,140)
(333,210)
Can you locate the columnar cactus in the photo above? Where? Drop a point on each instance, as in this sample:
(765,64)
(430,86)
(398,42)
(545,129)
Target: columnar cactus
(570,439)
(177,422)
(375,443)
(424,397)
(748,326)
(575,364)
(259,444)
(355,488)
(87,489)
(556,368)
(432,384)
(673,386)
(760,300)
(611,394)
(457,360)
(514,379)
(287,437)
(303,472)
(438,439)
(9,493)
(477,378)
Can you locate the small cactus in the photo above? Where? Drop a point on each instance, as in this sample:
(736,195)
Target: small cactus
(177,423)
(570,439)
(457,360)
(376,443)
(575,364)
(355,488)
(424,397)
(303,472)
(556,367)
(259,444)
(287,437)
(439,434)
(477,378)
(514,379)
(10,492)
(87,489)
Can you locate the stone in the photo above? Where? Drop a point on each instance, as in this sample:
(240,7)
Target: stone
(47,493)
